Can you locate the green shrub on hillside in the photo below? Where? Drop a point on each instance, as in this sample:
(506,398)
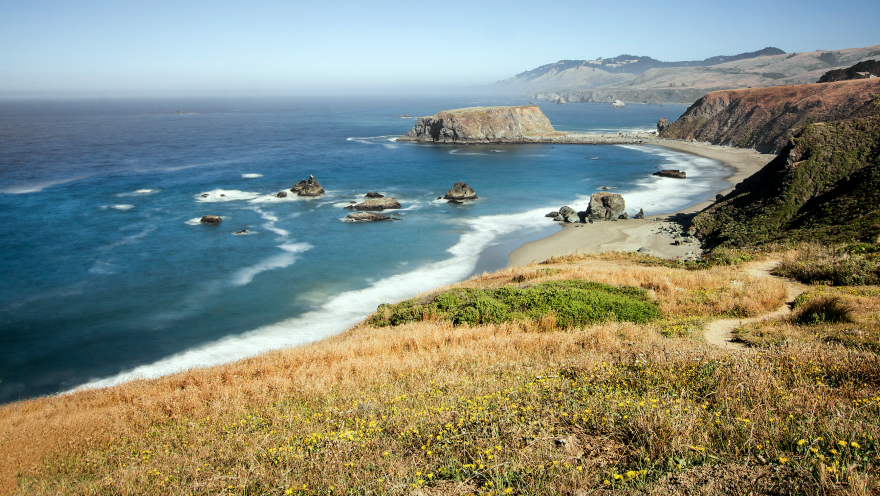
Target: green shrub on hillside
(571,303)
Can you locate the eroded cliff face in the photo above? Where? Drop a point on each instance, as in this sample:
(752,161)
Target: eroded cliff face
(767,118)
(480,125)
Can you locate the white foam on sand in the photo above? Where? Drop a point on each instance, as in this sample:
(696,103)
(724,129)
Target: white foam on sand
(225,195)
(246,275)
(342,310)
(251,176)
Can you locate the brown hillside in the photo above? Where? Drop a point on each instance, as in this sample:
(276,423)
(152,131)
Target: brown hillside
(766,118)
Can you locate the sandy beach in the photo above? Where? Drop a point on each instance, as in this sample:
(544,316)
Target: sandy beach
(647,233)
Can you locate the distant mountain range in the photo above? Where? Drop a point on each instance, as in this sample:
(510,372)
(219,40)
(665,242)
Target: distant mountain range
(646,80)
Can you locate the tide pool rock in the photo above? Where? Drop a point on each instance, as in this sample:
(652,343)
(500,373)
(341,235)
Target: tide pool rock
(461,191)
(376,204)
(605,206)
(210,219)
(674,173)
(308,187)
(366,217)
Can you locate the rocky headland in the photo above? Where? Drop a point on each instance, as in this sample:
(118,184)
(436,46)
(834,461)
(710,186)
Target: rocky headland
(766,118)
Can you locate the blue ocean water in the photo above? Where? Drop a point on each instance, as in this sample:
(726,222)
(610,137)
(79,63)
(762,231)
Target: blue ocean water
(107,275)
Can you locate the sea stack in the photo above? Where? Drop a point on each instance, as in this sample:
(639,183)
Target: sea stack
(605,206)
(308,187)
(366,217)
(480,125)
(461,191)
(375,204)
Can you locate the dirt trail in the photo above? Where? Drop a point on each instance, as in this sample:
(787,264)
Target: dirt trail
(720,332)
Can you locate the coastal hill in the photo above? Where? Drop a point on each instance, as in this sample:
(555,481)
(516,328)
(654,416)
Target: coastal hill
(823,186)
(637,79)
(766,118)
(480,124)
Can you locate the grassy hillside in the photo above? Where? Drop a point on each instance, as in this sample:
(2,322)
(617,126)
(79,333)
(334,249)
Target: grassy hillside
(526,405)
(824,186)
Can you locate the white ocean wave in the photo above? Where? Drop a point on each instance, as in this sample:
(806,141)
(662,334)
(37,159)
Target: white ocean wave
(251,176)
(246,275)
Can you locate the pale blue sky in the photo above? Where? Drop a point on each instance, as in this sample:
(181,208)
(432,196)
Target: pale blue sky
(274,47)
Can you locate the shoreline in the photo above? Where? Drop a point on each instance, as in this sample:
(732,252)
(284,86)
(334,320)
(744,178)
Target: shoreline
(635,234)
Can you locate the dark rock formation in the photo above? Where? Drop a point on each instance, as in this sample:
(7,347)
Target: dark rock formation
(605,206)
(376,204)
(308,187)
(480,125)
(210,219)
(455,202)
(365,217)
(662,124)
(243,231)
(373,194)
(624,216)
(766,118)
(640,215)
(862,70)
(461,191)
(568,214)
(204,195)
(281,194)
(552,214)
(674,173)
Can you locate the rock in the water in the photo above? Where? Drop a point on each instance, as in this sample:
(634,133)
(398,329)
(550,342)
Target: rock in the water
(662,124)
(569,214)
(376,204)
(461,191)
(552,214)
(618,104)
(210,219)
(640,215)
(624,216)
(455,202)
(373,194)
(204,195)
(605,206)
(365,217)
(308,187)
(243,231)
(480,125)
(282,194)
(558,218)
(671,173)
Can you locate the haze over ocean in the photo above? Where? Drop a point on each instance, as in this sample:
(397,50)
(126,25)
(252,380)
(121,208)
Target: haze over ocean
(106,271)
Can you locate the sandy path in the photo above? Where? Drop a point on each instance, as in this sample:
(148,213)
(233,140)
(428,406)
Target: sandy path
(720,332)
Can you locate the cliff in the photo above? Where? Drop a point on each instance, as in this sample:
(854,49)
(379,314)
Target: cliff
(766,118)
(480,125)
(823,186)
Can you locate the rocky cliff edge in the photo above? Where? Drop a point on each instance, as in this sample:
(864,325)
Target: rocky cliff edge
(481,125)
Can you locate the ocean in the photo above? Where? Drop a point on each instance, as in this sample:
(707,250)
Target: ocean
(107,274)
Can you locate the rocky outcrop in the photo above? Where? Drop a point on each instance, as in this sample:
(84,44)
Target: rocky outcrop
(373,194)
(210,219)
(674,173)
(281,194)
(767,118)
(824,186)
(605,206)
(480,125)
(618,104)
(568,214)
(552,215)
(376,204)
(640,215)
(366,217)
(308,187)
(662,124)
(461,191)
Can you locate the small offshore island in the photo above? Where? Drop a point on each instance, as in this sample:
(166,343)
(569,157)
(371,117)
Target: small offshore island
(522,124)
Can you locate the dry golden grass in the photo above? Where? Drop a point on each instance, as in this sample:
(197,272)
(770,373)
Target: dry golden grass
(519,406)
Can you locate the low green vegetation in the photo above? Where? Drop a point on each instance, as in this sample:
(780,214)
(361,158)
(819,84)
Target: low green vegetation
(568,303)
(849,265)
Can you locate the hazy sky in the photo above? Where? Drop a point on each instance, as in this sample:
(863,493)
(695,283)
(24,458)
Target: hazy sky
(271,47)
